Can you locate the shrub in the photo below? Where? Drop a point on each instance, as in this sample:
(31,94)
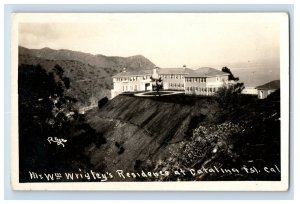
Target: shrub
(102,102)
(228,96)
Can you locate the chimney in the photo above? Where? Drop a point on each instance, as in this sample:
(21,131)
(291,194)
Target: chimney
(184,68)
(154,74)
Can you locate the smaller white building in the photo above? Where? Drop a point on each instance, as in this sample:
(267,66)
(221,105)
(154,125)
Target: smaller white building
(265,90)
(250,91)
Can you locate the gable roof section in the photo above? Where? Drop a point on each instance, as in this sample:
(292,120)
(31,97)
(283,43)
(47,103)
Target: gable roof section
(206,72)
(135,73)
(201,72)
(174,71)
(271,85)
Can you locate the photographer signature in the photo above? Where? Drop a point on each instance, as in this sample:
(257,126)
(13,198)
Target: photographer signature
(58,141)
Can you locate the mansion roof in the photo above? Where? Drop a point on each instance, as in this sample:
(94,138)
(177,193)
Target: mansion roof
(174,71)
(271,85)
(201,72)
(134,73)
(206,71)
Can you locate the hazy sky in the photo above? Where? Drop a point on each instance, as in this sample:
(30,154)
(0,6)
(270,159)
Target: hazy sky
(168,40)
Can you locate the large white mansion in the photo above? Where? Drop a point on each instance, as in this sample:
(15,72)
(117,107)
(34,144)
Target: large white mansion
(202,81)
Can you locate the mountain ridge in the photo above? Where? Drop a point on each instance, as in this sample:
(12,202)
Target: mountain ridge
(134,62)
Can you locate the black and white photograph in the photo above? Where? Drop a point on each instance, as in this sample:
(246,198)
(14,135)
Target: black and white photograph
(143,101)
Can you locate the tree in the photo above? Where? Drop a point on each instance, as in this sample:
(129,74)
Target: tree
(58,70)
(231,76)
(45,112)
(228,96)
(158,85)
(66,81)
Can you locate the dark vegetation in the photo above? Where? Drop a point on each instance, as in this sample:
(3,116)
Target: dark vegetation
(231,76)
(102,102)
(44,111)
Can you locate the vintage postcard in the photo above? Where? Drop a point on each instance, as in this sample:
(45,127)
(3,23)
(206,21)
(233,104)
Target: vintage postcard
(150,101)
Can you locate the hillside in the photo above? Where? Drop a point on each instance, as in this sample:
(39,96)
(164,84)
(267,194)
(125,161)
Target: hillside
(89,75)
(138,129)
(88,84)
(158,133)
